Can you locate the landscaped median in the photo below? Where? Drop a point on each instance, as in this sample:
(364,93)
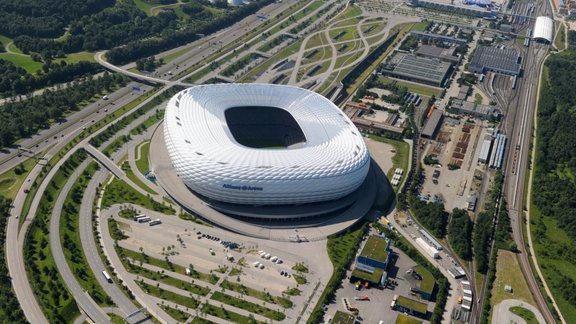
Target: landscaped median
(54,298)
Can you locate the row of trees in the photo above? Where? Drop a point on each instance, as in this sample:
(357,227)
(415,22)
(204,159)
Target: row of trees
(10,312)
(173,38)
(25,117)
(431,215)
(460,232)
(148,64)
(443,284)
(16,81)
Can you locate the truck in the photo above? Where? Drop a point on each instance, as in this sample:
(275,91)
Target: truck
(429,249)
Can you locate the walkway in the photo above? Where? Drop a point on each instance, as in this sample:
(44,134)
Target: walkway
(502,314)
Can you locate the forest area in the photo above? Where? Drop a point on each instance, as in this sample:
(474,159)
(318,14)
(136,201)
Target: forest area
(554,218)
(23,118)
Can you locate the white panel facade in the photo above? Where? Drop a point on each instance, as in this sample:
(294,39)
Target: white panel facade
(332,163)
(544,28)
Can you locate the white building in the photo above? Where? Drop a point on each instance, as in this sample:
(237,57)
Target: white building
(544,29)
(261,144)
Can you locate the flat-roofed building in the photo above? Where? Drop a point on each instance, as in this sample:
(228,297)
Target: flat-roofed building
(441,53)
(432,36)
(419,69)
(411,306)
(473,109)
(504,61)
(432,124)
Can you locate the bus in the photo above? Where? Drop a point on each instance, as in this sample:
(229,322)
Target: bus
(145,219)
(137,217)
(155,222)
(105,274)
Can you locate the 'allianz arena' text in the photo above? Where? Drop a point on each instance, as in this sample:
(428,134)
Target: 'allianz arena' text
(263,144)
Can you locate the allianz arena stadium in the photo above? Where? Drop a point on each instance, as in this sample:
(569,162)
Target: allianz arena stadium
(263,144)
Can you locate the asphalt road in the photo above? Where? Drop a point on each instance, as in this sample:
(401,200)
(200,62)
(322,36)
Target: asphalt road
(84,301)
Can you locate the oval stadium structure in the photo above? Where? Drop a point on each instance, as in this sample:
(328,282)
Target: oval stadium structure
(262,144)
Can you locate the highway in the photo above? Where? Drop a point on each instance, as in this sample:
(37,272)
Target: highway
(49,142)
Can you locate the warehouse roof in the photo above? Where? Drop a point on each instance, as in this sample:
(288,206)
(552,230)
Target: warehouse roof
(432,123)
(544,28)
(421,68)
(495,59)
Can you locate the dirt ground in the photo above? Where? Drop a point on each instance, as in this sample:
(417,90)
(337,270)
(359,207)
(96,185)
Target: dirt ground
(455,144)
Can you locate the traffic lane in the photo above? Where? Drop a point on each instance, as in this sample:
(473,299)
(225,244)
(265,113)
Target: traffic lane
(59,132)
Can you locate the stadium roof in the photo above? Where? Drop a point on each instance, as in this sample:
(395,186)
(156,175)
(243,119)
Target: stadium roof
(206,155)
(544,29)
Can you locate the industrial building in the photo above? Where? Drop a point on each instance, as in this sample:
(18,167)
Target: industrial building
(372,262)
(410,306)
(544,29)
(441,53)
(426,284)
(476,10)
(432,124)
(357,112)
(445,39)
(431,239)
(493,59)
(419,69)
(485,151)
(460,106)
(498,151)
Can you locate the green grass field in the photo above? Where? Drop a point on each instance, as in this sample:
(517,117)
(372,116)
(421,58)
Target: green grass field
(176,314)
(264,296)
(186,301)
(143,163)
(227,315)
(171,57)
(144,6)
(77,57)
(560,37)
(421,26)
(10,182)
(142,257)
(119,192)
(508,272)
(343,318)
(5,40)
(248,306)
(413,87)
(23,61)
(130,174)
(70,237)
(403,319)
(401,157)
(526,314)
(168,280)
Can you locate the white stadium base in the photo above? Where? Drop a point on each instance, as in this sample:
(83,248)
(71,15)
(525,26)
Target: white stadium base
(334,217)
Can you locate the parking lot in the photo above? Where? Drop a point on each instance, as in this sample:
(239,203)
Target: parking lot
(377,306)
(454,145)
(209,249)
